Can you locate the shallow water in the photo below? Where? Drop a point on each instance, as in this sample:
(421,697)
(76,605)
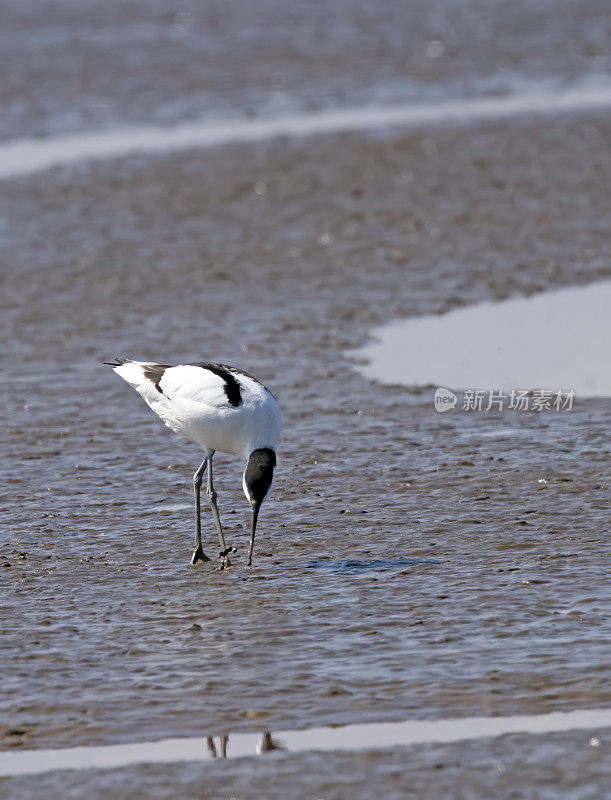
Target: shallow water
(24,156)
(73,67)
(549,341)
(376,736)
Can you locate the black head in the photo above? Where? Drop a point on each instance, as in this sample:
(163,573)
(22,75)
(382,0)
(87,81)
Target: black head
(259,474)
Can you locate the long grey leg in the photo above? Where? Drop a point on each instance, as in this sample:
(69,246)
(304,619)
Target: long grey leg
(198,553)
(215,513)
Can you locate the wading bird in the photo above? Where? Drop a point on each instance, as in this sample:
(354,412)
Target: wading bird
(220,408)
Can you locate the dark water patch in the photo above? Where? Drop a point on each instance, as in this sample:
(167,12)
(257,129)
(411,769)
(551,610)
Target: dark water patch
(350,566)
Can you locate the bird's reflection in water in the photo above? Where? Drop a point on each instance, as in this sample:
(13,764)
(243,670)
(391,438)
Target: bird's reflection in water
(265,745)
(268,743)
(222,752)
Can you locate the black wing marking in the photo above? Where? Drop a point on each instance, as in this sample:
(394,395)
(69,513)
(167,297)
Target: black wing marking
(237,371)
(230,384)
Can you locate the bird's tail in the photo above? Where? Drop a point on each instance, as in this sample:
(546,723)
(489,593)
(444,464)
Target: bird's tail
(118,362)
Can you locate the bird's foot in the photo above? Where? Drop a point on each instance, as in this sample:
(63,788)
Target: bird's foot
(199,555)
(224,555)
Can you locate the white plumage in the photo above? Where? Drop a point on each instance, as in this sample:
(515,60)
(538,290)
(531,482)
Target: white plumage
(220,408)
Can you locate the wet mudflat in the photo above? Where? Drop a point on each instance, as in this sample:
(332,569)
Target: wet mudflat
(409,563)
